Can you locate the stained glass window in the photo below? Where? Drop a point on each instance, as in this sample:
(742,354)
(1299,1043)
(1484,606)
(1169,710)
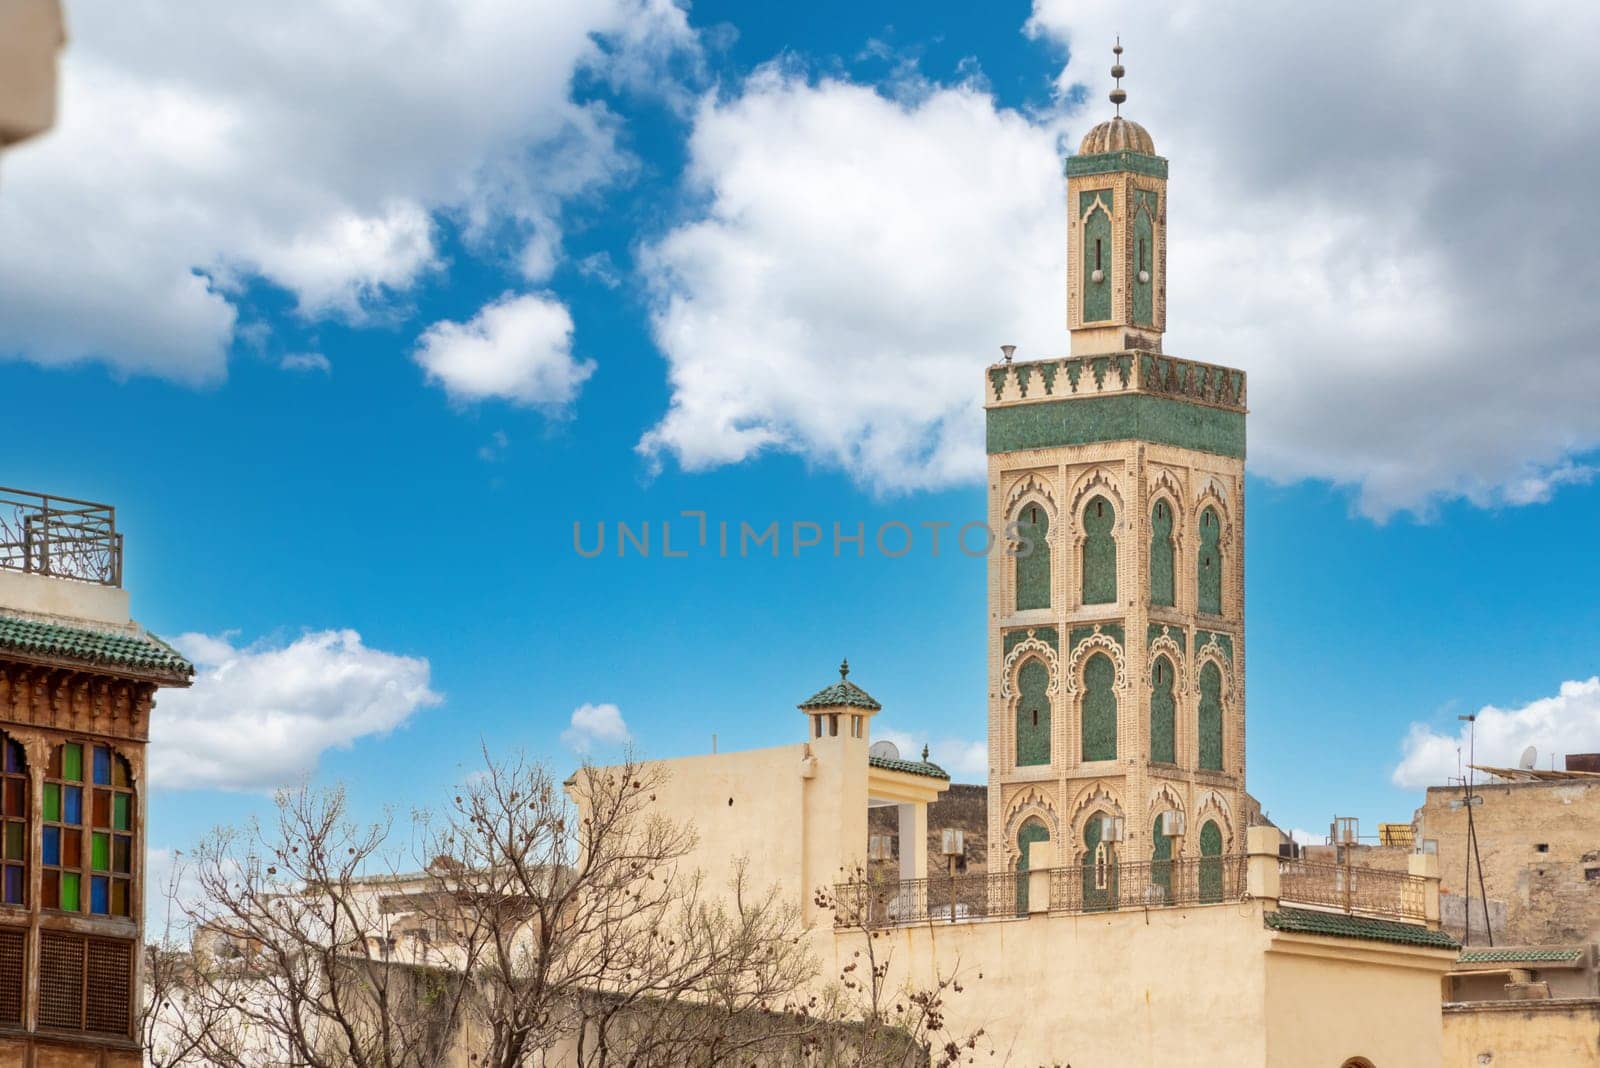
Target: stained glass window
(14,803)
(87,838)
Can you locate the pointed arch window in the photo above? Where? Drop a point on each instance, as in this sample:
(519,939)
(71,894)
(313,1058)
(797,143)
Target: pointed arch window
(1097,254)
(1032,830)
(1210,862)
(1033,558)
(1161,860)
(1144,236)
(14,816)
(1163,713)
(1162,587)
(1099,552)
(1210,563)
(1033,713)
(1100,865)
(1099,718)
(1210,719)
(86,847)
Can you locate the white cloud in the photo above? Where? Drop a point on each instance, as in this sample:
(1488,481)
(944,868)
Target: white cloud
(515,348)
(1566,723)
(259,716)
(966,760)
(594,725)
(305,142)
(1352,221)
(1304,837)
(306,361)
(860,259)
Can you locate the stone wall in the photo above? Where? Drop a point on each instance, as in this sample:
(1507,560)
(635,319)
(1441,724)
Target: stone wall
(1558,1033)
(1540,844)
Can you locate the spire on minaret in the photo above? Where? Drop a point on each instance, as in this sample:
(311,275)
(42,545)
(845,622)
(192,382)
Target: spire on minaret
(1118,93)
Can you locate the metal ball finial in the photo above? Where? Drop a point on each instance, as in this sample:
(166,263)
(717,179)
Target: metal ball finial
(1118,94)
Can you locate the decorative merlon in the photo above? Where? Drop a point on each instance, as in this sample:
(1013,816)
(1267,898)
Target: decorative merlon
(1131,371)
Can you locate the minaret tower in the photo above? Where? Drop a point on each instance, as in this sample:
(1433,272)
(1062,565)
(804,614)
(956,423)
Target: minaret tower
(1116,594)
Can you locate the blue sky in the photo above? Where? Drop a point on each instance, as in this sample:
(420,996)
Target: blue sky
(357,362)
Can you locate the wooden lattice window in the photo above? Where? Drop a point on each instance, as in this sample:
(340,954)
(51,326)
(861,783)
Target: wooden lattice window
(85,984)
(13,823)
(13,943)
(87,838)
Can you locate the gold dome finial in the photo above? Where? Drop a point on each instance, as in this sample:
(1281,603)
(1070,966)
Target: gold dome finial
(1118,94)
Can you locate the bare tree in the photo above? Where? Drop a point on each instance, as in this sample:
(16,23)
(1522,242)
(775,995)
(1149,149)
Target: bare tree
(585,926)
(288,947)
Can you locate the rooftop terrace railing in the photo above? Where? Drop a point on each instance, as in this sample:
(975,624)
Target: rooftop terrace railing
(1125,886)
(1351,889)
(60,537)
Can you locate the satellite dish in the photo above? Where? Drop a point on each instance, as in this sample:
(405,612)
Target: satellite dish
(884,750)
(1529,755)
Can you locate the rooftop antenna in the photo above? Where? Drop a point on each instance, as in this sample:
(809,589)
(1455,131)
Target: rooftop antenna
(1118,94)
(1468,801)
(1530,756)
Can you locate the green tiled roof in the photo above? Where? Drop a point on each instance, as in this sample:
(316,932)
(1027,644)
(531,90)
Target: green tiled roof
(1512,956)
(1339,925)
(843,693)
(912,767)
(138,652)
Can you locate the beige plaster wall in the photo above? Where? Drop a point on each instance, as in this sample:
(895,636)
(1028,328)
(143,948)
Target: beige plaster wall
(1542,1034)
(1123,990)
(41,595)
(1328,1001)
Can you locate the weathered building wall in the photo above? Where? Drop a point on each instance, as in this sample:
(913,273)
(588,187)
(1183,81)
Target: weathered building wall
(1563,1033)
(1551,894)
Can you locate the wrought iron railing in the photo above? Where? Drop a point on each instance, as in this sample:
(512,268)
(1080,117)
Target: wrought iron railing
(1348,888)
(60,537)
(943,899)
(1112,886)
(1091,888)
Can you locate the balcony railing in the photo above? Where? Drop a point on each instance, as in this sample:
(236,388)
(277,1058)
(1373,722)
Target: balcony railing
(1147,884)
(59,537)
(1352,889)
(1090,888)
(943,899)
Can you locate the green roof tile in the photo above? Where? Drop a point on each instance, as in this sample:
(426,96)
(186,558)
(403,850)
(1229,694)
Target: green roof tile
(913,767)
(842,694)
(1339,925)
(1512,956)
(139,652)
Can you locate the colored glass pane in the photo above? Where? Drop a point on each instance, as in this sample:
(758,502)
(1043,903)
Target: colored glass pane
(102,765)
(122,855)
(71,849)
(119,812)
(102,808)
(100,895)
(15,841)
(14,761)
(100,858)
(119,773)
(52,845)
(14,885)
(72,762)
(55,763)
(52,889)
(72,805)
(14,798)
(70,897)
(119,898)
(52,802)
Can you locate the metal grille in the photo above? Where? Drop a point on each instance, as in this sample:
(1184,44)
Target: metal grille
(12,943)
(106,1006)
(59,536)
(1147,884)
(943,899)
(60,981)
(1353,889)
